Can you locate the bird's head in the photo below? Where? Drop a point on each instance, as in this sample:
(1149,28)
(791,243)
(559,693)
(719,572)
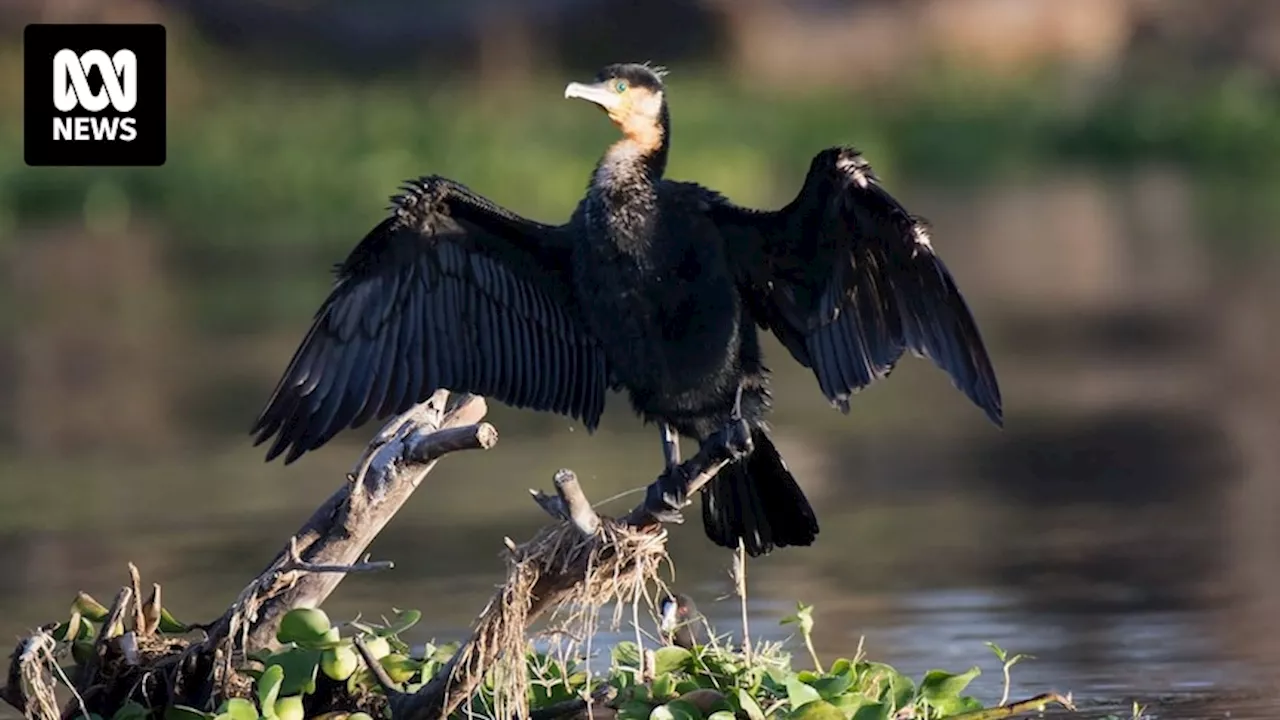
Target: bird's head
(632,95)
(676,610)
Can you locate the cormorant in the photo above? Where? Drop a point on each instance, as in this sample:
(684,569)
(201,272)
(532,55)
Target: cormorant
(680,623)
(653,286)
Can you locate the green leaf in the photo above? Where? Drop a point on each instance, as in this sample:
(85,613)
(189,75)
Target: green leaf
(626,654)
(896,689)
(663,687)
(722,715)
(799,693)
(241,709)
(833,685)
(269,689)
(817,710)
(999,651)
(671,659)
(662,712)
(842,666)
(748,704)
(634,710)
(957,706)
(405,619)
(131,710)
(803,617)
(169,624)
(850,703)
(184,712)
(298,666)
(683,710)
(303,625)
(873,711)
(939,686)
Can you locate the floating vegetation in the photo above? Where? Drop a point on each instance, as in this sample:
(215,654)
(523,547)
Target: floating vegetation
(321,669)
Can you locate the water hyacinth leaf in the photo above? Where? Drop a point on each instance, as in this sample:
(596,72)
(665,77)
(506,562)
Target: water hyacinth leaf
(131,710)
(957,706)
(663,687)
(892,687)
(799,693)
(842,666)
(671,659)
(803,618)
(331,639)
(682,710)
(939,686)
(1000,652)
(405,619)
(290,708)
(377,646)
(89,608)
(338,663)
(240,709)
(850,703)
(298,667)
(722,715)
(634,710)
(748,705)
(873,711)
(626,654)
(833,685)
(303,625)
(169,624)
(69,629)
(269,688)
(184,712)
(687,685)
(817,710)
(400,668)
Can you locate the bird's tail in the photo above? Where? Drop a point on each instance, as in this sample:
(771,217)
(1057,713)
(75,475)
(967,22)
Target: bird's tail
(758,500)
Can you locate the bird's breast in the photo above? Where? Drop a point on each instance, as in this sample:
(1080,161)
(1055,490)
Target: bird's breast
(664,308)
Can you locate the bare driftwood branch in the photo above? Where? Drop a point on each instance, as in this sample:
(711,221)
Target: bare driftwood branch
(387,474)
(333,541)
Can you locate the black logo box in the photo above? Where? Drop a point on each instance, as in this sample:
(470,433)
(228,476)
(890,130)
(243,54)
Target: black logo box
(40,43)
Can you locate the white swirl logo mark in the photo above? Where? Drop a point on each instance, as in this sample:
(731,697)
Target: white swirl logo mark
(71,80)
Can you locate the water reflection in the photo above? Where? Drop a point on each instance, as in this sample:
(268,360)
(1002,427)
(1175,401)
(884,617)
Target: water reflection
(1120,529)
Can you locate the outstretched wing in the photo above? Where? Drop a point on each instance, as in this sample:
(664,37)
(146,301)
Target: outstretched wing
(452,292)
(848,281)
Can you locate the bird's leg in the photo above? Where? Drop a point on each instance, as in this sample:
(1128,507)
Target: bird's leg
(669,488)
(670,445)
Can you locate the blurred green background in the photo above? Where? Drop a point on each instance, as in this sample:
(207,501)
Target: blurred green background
(1100,175)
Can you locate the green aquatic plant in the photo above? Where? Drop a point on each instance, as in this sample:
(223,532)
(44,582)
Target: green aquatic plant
(320,670)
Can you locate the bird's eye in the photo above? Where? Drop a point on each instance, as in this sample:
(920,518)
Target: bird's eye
(620,86)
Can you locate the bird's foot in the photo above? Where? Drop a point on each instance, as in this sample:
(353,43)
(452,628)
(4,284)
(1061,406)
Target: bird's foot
(666,496)
(735,439)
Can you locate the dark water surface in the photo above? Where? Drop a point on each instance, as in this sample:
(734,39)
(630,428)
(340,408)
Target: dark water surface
(1122,528)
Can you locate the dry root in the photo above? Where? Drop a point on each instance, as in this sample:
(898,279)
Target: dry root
(571,575)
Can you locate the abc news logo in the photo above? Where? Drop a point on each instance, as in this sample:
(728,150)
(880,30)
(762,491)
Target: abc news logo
(95,95)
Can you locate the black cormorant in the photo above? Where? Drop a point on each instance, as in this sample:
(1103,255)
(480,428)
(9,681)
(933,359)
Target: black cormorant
(653,286)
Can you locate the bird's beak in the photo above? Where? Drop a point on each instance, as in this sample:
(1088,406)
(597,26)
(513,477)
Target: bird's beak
(668,622)
(597,93)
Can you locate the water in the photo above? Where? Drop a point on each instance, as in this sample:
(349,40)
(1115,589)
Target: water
(1119,529)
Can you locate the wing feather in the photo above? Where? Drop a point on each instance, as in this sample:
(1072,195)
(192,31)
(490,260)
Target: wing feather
(848,281)
(450,291)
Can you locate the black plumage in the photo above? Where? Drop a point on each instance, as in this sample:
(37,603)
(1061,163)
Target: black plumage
(654,287)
